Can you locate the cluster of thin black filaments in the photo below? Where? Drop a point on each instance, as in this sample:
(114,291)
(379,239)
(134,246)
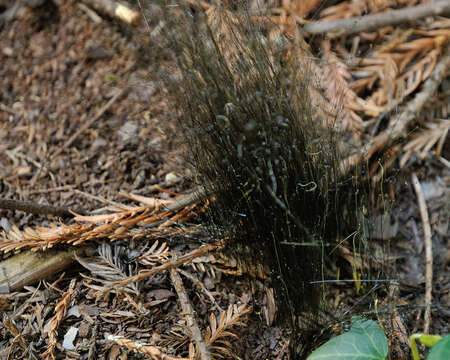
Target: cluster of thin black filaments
(253,141)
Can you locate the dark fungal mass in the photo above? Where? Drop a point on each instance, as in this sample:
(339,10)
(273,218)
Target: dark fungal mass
(254,140)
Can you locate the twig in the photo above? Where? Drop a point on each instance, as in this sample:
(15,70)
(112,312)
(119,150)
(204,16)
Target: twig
(98,198)
(428,252)
(34,208)
(138,347)
(11,326)
(54,189)
(157,187)
(182,260)
(400,123)
(188,312)
(199,194)
(199,3)
(88,124)
(372,22)
(91,13)
(117,10)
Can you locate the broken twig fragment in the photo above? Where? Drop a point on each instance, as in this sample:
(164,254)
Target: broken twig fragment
(116,10)
(34,208)
(372,22)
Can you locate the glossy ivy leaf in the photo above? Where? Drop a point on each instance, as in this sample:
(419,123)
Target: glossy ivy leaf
(365,340)
(440,351)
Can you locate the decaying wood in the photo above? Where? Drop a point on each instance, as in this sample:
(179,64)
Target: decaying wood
(28,267)
(116,10)
(372,22)
(34,208)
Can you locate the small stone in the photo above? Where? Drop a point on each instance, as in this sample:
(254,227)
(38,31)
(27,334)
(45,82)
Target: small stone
(69,338)
(128,132)
(171,177)
(7,51)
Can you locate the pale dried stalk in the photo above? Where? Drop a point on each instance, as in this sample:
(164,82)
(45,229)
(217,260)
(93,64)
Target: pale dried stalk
(188,312)
(428,252)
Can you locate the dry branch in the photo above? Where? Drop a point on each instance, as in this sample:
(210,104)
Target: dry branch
(373,22)
(428,252)
(116,10)
(188,312)
(34,208)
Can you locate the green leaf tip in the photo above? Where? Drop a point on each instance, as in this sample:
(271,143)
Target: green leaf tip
(365,340)
(440,351)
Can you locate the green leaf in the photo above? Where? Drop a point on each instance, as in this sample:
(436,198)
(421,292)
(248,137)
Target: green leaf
(365,340)
(440,351)
(429,340)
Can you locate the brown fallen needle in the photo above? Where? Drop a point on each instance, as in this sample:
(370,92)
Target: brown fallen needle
(153,351)
(399,124)
(182,260)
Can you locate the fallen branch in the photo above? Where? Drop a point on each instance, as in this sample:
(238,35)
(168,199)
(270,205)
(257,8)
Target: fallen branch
(34,208)
(116,10)
(428,252)
(372,22)
(188,312)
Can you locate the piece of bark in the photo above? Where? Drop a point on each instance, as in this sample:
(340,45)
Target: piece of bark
(29,267)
